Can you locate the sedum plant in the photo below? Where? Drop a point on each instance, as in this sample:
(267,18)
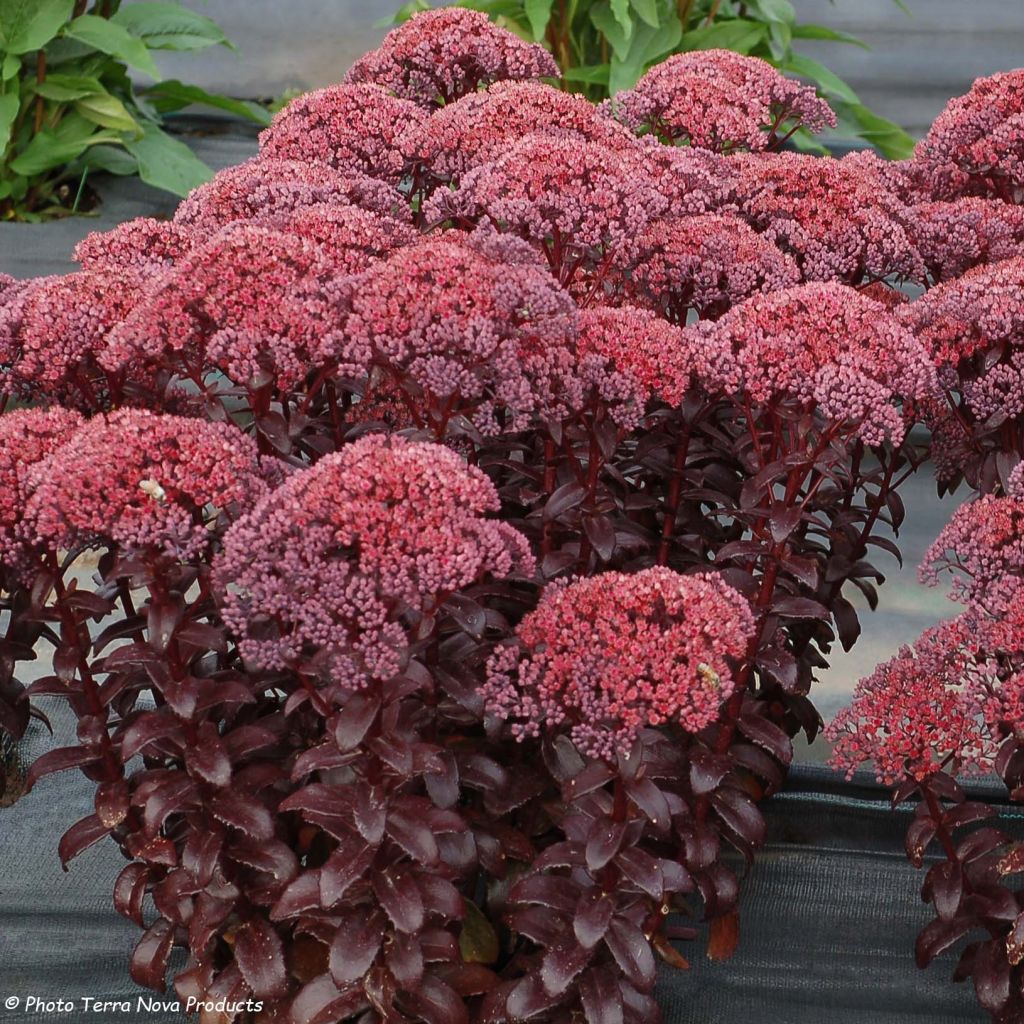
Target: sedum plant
(478,481)
(68,106)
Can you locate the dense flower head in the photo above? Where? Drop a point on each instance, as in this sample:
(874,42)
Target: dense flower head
(479,128)
(953,236)
(467,329)
(438,56)
(26,437)
(577,200)
(264,187)
(329,563)
(976,145)
(607,656)
(692,180)
(143,244)
(916,711)
(983,546)
(349,127)
(829,346)
(54,325)
(238,303)
(720,100)
(836,217)
(142,480)
(705,264)
(976,312)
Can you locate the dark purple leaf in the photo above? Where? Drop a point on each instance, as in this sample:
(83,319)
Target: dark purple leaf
(356,944)
(162,619)
(400,897)
(992,976)
(564,498)
(149,960)
(800,608)
(767,735)
(414,835)
(642,870)
(130,891)
(601,998)
(149,727)
(601,533)
(945,882)
(369,813)
(260,957)
(632,952)
(404,959)
(740,813)
(561,963)
(348,863)
(354,720)
(60,760)
(80,837)
(937,936)
(207,758)
(605,841)
(243,812)
(322,1002)
(591,919)
(437,1003)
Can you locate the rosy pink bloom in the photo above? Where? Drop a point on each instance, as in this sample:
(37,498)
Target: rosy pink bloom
(349,127)
(722,101)
(142,480)
(692,180)
(440,55)
(976,145)
(954,236)
(978,311)
(467,332)
(607,656)
(836,217)
(915,712)
(26,437)
(265,187)
(340,560)
(481,127)
(143,244)
(704,264)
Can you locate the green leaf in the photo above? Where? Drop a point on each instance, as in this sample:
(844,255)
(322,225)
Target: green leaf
(174,95)
(27,25)
(620,11)
(647,45)
(403,14)
(111,159)
(50,149)
(591,74)
(65,88)
(605,22)
(829,82)
(107,111)
(10,67)
(114,40)
(780,37)
(807,31)
(169,26)
(647,10)
(538,12)
(889,138)
(775,10)
(167,163)
(739,35)
(478,941)
(9,106)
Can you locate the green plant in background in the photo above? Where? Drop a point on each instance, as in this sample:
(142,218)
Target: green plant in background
(604,46)
(68,105)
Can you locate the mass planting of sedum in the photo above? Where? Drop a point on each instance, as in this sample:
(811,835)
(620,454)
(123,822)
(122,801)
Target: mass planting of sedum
(476,483)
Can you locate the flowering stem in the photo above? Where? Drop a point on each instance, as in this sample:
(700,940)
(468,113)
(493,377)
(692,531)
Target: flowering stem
(675,489)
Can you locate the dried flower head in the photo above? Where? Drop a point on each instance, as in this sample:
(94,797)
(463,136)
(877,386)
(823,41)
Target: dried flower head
(438,56)
(334,561)
(604,657)
(142,480)
(722,101)
(349,127)
(704,264)
(830,347)
(955,236)
(144,244)
(975,147)
(836,217)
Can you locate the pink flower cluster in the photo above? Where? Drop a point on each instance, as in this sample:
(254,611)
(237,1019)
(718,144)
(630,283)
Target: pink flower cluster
(836,217)
(976,145)
(331,564)
(722,101)
(826,346)
(607,656)
(349,127)
(440,55)
(144,245)
(141,480)
(954,236)
(704,264)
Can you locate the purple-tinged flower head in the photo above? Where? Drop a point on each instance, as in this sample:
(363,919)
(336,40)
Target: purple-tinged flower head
(835,217)
(916,712)
(975,147)
(982,546)
(27,436)
(579,201)
(263,187)
(348,127)
(54,328)
(954,236)
(979,311)
(694,181)
(481,127)
(144,245)
(350,237)
(335,563)
(462,331)
(251,301)
(604,657)
(142,481)
(720,100)
(704,264)
(630,357)
(829,347)
(438,56)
